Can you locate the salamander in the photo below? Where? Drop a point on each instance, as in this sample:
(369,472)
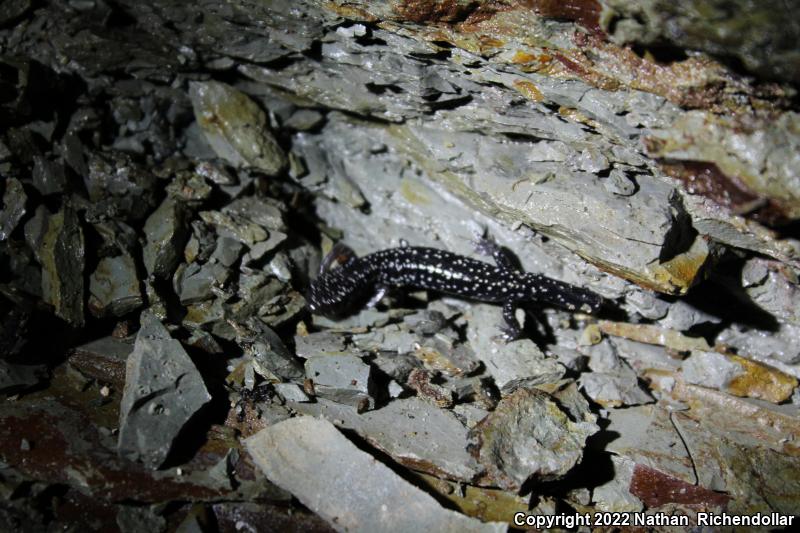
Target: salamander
(342,290)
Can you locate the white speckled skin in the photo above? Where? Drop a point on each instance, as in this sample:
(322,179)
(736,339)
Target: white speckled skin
(341,290)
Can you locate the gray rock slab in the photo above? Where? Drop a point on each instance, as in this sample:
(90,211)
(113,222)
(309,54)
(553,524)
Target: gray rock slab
(426,322)
(114,287)
(320,343)
(196,283)
(772,287)
(304,119)
(397,366)
(360,321)
(346,486)
(243,230)
(118,187)
(48,176)
(291,392)
(271,358)
(710,369)
(511,364)
(614,495)
(342,378)
(103,359)
(166,233)
(647,436)
(529,436)
(14,200)
(781,346)
(261,211)
(163,390)
(391,338)
(58,243)
(411,430)
(614,390)
(14,378)
(235,127)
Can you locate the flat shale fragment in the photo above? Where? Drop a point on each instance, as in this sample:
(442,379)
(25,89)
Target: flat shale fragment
(119,188)
(13,210)
(529,435)
(166,232)
(646,436)
(57,241)
(414,432)
(270,356)
(103,359)
(163,390)
(114,287)
(512,364)
(14,378)
(738,376)
(342,378)
(347,487)
(235,127)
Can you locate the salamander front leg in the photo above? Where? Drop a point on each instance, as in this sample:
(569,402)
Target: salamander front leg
(511,331)
(502,257)
(380,292)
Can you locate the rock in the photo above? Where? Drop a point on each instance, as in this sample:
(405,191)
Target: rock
(347,487)
(195,283)
(414,432)
(756,153)
(612,382)
(651,334)
(762,44)
(710,369)
(529,436)
(425,322)
(773,288)
(511,364)
(166,234)
(135,519)
(15,378)
(304,120)
(14,200)
(270,356)
(243,230)
(614,390)
(646,436)
(235,127)
(320,343)
(343,379)
(118,187)
(189,187)
(614,495)
(103,359)
(738,376)
(114,287)
(163,390)
(57,241)
(780,346)
(291,392)
(420,381)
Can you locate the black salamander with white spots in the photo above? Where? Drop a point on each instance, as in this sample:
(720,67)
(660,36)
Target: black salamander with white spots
(342,290)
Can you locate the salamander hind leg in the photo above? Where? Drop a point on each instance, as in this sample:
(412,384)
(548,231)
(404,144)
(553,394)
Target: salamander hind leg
(340,254)
(511,330)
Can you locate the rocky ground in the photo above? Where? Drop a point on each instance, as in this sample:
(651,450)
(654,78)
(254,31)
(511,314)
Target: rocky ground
(173,173)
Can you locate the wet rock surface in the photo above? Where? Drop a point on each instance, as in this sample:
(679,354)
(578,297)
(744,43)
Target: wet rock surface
(163,390)
(173,175)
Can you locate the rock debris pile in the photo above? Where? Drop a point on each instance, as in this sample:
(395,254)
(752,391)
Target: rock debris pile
(173,174)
